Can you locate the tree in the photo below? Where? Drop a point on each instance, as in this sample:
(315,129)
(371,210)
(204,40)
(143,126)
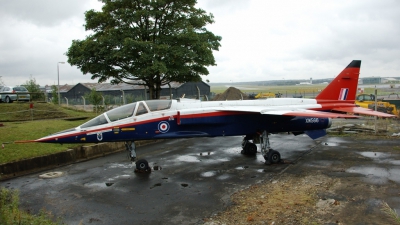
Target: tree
(54,94)
(34,89)
(95,98)
(151,42)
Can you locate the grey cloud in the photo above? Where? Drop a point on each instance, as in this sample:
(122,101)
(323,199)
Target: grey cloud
(41,12)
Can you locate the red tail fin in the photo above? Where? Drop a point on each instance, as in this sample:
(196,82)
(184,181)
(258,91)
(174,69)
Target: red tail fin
(344,86)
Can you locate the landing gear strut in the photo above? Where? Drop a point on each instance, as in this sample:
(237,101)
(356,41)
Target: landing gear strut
(250,148)
(268,153)
(141,165)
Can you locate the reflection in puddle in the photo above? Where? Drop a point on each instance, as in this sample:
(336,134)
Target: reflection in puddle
(242,167)
(368,171)
(120,165)
(206,153)
(233,150)
(321,163)
(223,177)
(377,175)
(374,154)
(329,144)
(208,174)
(96,185)
(395,162)
(336,140)
(188,158)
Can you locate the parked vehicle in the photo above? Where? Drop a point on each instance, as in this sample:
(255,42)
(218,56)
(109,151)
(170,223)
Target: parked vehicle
(9,94)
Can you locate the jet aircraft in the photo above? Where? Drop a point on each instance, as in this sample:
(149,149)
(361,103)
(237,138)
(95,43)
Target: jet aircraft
(252,119)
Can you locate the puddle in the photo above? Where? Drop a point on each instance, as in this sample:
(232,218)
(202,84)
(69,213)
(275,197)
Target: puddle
(335,140)
(206,153)
(320,163)
(377,175)
(98,185)
(188,158)
(242,167)
(223,177)
(395,162)
(125,176)
(120,165)
(374,154)
(330,144)
(233,151)
(208,174)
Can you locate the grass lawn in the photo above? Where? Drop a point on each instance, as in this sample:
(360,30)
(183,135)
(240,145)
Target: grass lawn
(17,131)
(17,126)
(21,111)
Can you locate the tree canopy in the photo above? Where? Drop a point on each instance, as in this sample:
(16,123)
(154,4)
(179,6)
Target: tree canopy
(154,42)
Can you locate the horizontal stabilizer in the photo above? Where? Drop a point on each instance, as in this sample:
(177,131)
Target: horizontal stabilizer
(363,111)
(314,134)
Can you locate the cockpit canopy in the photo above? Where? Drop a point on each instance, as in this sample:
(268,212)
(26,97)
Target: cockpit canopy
(129,110)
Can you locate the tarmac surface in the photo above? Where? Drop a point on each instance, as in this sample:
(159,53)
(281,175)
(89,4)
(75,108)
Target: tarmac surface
(196,177)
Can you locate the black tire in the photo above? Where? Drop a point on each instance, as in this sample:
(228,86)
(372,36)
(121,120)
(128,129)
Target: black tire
(252,148)
(8,100)
(249,149)
(142,164)
(274,156)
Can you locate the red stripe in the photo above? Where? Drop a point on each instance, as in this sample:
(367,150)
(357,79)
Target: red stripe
(212,114)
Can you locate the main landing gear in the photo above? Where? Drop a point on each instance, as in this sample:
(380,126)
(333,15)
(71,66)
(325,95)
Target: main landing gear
(141,165)
(249,148)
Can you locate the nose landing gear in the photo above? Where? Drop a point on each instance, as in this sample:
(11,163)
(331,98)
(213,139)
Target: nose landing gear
(141,165)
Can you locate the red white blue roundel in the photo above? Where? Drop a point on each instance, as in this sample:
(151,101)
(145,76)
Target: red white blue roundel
(163,126)
(99,136)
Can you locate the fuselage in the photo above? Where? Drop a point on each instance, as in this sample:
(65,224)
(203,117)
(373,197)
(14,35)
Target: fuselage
(182,118)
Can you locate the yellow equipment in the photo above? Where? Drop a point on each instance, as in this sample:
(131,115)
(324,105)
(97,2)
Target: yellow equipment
(368,101)
(265,95)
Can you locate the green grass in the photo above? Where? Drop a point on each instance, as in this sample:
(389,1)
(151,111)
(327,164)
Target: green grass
(17,111)
(17,131)
(10,213)
(48,122)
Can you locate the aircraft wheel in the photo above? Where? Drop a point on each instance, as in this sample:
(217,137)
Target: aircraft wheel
(274,156)
(249,149)
(142,164)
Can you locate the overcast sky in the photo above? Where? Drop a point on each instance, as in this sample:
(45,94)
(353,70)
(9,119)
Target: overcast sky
(261,39)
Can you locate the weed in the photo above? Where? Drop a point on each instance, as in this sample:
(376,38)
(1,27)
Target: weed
(390,212)
(11,214)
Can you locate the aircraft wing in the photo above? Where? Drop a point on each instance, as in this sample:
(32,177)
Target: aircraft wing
(288,112)
(364,111)
(309,113)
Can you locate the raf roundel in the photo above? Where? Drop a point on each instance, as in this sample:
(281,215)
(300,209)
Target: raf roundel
(163,127)
(99,136)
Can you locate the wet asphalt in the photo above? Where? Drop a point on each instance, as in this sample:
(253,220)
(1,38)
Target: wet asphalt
(196,177)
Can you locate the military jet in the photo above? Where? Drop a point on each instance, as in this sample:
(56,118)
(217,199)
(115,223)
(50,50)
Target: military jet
(252,119)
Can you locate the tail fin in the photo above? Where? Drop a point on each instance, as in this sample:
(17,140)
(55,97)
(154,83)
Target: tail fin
(344,86)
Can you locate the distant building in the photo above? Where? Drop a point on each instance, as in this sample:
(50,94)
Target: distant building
(389,80)
(371,80)
(306,83)
(74,93)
